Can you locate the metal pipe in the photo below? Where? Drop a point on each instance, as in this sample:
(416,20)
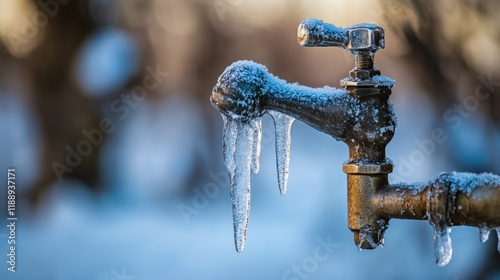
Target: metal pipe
(450,199)
(402,201)
(465,199)
(363,219)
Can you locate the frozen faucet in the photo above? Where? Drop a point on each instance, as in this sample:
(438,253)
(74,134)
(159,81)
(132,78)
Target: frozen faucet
(361,116)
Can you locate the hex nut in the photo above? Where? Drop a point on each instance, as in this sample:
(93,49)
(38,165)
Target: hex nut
(351,168)
(365,37)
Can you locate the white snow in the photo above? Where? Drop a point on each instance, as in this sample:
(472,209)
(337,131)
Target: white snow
(243,71)
(379,80)
(466,182)
(383,81)
(283,124)
(245,82)
(363,25)
(385,129)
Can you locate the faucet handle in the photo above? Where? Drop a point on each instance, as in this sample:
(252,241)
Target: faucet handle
(316,33)
(360,37)
(362,40)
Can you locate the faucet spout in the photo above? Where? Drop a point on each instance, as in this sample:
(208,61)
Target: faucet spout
(247,89)
(361,117)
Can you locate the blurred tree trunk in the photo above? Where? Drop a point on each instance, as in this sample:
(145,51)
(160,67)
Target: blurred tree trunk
(62,108)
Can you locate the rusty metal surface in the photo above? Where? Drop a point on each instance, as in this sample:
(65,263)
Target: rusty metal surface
(444,203)
(472,201)
(402,201)
(362,217)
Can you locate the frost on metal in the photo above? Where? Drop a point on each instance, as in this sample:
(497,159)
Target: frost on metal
(246,78)
(383,81)
(466,182)
(316,32)
(378,80)
(318,27)
(245,81)
(454,183)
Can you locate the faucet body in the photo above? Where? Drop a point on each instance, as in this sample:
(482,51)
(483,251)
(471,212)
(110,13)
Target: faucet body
(361,115)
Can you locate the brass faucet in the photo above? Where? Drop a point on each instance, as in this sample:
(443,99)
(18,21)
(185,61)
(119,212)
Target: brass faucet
(361,116)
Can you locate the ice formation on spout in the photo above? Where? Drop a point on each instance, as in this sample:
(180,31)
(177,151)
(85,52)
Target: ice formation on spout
(455,183)
(442,245)
(365,236)
(282,124)
(241,147)
(484,233)
(237,95)
(498,237)
(257,139)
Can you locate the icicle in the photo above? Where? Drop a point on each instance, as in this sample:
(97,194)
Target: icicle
(238,146)
(283,124)
(228,140)
(442,245)
(363,236)
(257,134)
(484,233)
(498,237)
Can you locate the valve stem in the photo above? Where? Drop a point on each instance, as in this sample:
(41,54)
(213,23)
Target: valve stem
(363,60)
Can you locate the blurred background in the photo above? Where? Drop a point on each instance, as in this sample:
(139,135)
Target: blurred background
(105,115)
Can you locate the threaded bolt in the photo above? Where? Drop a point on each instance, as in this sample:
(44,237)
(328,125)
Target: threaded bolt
(363,60)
